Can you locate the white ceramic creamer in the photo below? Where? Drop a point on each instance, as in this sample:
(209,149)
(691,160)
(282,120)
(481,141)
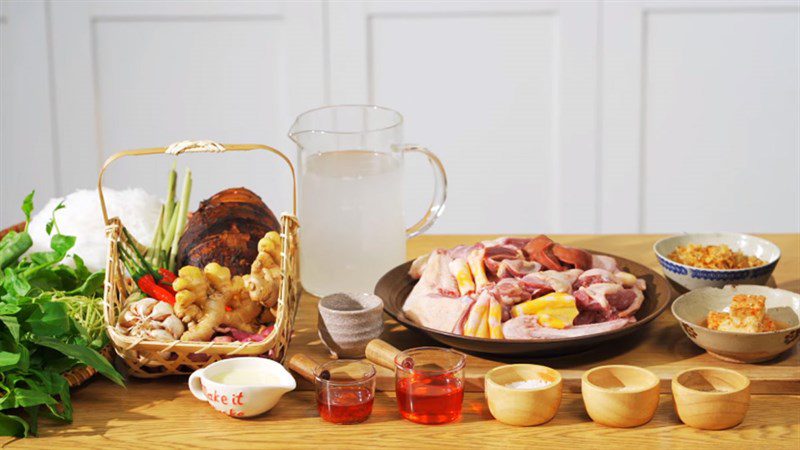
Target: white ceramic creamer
(242,387)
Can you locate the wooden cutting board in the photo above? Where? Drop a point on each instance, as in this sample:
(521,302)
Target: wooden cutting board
(661,347)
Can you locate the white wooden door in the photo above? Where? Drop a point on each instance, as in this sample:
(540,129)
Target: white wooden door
(503,92)
(143,74)
(580,116)
(27,148)
(700,116)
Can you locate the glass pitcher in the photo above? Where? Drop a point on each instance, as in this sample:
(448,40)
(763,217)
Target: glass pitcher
(350,160)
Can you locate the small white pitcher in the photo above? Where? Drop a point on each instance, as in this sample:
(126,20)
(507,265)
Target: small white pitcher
(241,400)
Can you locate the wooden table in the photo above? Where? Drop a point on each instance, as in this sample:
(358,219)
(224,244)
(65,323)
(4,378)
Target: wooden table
(163,414)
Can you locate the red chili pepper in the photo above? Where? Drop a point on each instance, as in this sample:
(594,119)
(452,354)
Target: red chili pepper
(148,285)
(167,276)
(168,287)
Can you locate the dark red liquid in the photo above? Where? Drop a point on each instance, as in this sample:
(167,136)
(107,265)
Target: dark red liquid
(345,404)
(430,399)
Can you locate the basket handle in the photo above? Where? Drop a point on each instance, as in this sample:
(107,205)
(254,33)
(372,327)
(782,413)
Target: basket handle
(178,148)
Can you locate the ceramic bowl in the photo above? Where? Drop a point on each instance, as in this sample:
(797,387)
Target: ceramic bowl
(691,310)
(691,278)
(348,321)
(523,407)
(711,398)
(620,396)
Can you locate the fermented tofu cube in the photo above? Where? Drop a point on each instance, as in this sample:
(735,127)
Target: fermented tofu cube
(717,319)
(747,312)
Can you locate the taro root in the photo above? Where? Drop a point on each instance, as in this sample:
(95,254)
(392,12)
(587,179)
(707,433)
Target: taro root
(226,229)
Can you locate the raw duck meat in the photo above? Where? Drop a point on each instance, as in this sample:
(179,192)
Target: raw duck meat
(527,327)
(555,280)
(540,249)
(434,301)
(604,262)
(496,288)
(575,257)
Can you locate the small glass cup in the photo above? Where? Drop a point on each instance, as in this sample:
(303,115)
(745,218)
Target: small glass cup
(429,382)
(345,390)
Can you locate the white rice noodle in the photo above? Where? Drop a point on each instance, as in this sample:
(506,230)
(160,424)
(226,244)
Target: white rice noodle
(83,219)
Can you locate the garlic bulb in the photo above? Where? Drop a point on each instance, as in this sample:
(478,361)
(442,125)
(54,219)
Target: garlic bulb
(151,319)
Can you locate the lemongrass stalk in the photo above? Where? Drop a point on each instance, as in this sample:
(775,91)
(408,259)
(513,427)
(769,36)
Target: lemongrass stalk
(183,210)
(166,242)
(169,204)
(153,250)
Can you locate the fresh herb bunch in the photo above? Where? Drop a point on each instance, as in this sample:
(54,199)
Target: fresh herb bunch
(50,322)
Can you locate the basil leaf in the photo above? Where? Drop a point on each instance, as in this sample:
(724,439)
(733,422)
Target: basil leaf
(12,325)
(14,284)
(82,354)
(11,425)
(42,258)
(32,397)
(81,272)
(52,222)
(33,416)
(8,360)
(61,243)
(93,285)
(50,319)
(27,207)
(7,309)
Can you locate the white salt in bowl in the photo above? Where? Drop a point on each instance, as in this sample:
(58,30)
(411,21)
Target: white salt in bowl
(523,406)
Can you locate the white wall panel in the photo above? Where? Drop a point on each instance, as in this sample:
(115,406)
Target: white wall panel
(502,92)
(27,148)
(165,97)
(149,74)
(497,139)
(585,116)
(721,121)
(700,116)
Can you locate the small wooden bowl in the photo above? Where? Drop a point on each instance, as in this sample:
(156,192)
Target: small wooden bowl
(523,407)
(711,398)
(620,396)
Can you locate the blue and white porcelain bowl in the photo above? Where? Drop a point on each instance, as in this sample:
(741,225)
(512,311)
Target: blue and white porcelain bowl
(694,277)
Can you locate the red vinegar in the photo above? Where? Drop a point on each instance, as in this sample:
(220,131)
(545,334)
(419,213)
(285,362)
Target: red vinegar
(430,399)
(345,404)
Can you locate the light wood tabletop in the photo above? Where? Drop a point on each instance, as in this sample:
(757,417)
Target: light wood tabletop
(163,414)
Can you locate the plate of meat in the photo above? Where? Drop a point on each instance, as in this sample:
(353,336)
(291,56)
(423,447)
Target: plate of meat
(523,296)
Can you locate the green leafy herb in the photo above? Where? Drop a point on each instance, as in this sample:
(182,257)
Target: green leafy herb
(51,320)
(49,227)
(27,208)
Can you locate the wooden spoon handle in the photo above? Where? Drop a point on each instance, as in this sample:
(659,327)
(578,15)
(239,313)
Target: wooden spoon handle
(382,353)
(304,366)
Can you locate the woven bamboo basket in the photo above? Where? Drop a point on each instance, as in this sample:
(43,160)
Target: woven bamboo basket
(80,373)
(152,359)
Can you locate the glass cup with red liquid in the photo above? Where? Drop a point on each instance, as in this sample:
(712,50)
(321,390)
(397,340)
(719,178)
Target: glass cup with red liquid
(345,390)
(429,383)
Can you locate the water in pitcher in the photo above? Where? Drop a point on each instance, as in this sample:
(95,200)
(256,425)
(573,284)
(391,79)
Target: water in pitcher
(352,220)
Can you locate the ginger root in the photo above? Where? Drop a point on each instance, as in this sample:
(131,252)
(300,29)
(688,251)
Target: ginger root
(263,283)
(202,295)
(244,313)
(200,299)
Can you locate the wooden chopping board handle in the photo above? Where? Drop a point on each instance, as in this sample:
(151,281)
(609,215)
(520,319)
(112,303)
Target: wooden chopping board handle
(382,353)
(304,366)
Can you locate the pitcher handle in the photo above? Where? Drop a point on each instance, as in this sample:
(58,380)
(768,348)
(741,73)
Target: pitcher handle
(436,207)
